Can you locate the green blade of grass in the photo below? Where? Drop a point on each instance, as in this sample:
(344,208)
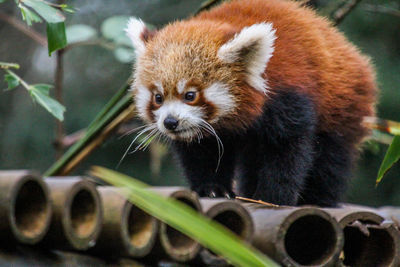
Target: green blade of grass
(113,108)
(110,104)
(183,218)
(391,157)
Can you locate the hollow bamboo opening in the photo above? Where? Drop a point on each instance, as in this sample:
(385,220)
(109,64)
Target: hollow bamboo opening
(310,240)
(31,209)
(377,249)
(140,227)
(84,214)
(179,241)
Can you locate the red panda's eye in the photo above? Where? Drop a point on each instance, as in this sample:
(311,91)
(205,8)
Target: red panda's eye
(158,98)
(190,96)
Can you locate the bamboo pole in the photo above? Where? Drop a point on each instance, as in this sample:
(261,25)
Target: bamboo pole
(176,245)
(25,209)
(304,236)
(127,230)
(369,240)
(233,216)
(77,213)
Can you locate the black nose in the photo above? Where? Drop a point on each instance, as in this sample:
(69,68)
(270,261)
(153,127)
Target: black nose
(171,123)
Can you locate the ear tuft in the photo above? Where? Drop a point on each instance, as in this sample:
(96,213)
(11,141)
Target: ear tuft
(134,30)
(253,46)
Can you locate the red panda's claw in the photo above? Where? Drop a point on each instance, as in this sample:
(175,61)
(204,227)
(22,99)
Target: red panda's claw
(215,191)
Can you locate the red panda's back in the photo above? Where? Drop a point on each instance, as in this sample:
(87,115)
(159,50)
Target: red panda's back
(312,56)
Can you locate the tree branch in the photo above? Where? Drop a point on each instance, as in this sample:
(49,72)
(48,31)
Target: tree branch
(34,35)
(339,14)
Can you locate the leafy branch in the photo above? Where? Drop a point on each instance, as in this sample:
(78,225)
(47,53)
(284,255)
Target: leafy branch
(40,93)
(35,11)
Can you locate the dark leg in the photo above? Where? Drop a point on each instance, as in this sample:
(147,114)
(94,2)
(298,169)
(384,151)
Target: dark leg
(200,165)
(282,177)
(328,179)
(285,147)
(247,171)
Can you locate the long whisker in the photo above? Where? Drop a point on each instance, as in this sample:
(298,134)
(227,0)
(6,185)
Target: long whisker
(132,131)
(208,128)
(145,139)
(148,128)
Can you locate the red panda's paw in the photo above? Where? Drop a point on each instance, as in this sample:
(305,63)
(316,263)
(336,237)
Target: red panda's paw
(214,191)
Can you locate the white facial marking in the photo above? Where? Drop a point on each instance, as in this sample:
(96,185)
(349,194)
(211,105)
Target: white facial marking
(181,86)
(159,87)
(187,115)
(143,97)
(218,94)
(261,38)
(134,30)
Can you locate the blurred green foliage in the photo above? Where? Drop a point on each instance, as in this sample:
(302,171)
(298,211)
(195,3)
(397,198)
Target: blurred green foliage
(93,73)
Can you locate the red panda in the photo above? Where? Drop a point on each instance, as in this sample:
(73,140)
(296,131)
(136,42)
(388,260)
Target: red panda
(272,84)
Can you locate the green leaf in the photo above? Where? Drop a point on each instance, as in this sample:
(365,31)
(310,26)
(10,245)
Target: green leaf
(113,27)
(391,157)
(12,80)
(28,15)
(56,37)
(50,14)
(124,55)
(79,33)
(38,93)
(43,88)
(2,1)
(183,218)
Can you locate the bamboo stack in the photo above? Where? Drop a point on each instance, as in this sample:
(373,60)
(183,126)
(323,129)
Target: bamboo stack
(60,214)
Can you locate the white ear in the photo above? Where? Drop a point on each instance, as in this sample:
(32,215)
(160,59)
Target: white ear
(134,30)
(254,47)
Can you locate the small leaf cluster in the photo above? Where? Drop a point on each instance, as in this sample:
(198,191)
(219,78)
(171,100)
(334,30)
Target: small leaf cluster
(40,93)
(35,11)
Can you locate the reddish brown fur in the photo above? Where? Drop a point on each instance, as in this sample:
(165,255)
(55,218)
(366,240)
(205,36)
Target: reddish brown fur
(312,56)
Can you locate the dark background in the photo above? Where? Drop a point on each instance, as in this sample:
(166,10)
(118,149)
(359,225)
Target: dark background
(93,75)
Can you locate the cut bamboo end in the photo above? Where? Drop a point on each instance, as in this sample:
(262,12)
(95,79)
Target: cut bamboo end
(78,213)
(234,217)
(127,230)
(368,240)
(25,206)
(296,236)
(376,247)
(176,245)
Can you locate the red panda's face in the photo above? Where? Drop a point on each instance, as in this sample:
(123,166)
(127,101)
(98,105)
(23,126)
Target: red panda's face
(184,110)
(190,79)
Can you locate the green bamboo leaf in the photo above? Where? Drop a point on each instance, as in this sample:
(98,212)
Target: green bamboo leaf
(56,36)
(80,32)
(43,88)
(11,80)
(183,218)
(51,105)
(50,14)
(391,157)
(113,107)
(28,15)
